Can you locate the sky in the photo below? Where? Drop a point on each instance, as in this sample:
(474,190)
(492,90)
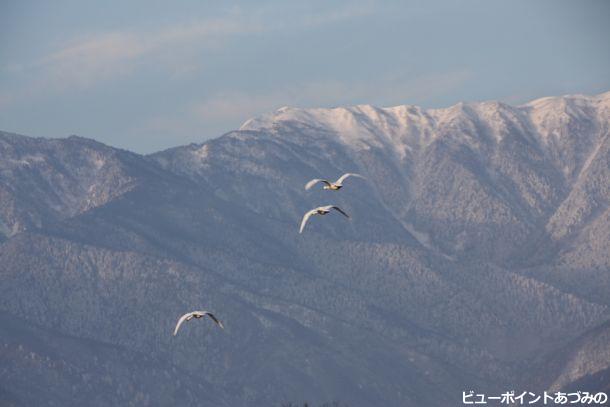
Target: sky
(146,75)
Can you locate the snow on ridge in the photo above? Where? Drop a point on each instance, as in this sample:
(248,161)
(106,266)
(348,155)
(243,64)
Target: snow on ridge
(403,128)
(549,115)
(322,115)
(361,126)
(574,98)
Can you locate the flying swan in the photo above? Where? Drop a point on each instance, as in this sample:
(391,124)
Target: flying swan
(322,210)
(196,314)
(338,184)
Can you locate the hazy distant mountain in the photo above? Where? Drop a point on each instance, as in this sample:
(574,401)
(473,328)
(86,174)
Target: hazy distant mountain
(476,257)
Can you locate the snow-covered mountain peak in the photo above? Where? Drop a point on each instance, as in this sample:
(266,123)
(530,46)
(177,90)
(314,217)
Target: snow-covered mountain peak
(551,117)
(406,127)
(348,123)
(567,130)
(360,127)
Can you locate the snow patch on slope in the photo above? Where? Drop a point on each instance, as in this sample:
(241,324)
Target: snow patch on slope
(406,129)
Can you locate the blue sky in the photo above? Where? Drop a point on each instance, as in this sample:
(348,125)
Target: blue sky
(147,75)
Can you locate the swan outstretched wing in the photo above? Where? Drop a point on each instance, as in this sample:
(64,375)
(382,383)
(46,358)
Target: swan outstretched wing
(306,218)
(339,210)
(315,181)
(181,320)
(344,176)
(218,322)
(190,315)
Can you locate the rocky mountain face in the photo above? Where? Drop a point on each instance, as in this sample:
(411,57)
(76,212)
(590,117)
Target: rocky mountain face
(476,257)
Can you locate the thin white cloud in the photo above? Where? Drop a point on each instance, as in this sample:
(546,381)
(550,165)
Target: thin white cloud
(94,59)
(5,100)
(333,16)
(107,55)
(228,110)
(388,91)
(236,105)
(85,62)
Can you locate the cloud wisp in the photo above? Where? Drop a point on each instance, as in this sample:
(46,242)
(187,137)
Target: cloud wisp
(396,89)
(104,56)
(226,111)
(86,62)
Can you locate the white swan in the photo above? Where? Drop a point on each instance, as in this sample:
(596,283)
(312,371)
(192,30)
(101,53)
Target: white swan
(322,210)
(338,184)
(196,314)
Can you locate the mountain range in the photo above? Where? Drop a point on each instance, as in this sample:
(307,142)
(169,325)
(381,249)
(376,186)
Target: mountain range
(477,257)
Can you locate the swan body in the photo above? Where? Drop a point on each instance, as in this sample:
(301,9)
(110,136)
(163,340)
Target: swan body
(332,186)
(321,210)
(196,315)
